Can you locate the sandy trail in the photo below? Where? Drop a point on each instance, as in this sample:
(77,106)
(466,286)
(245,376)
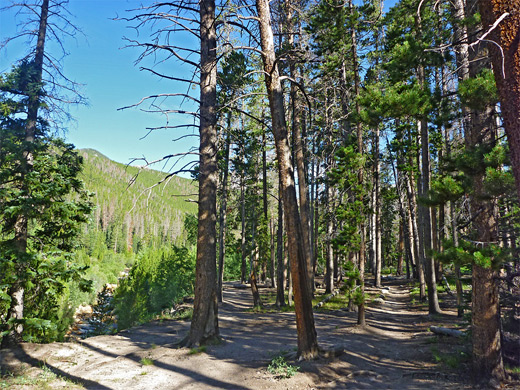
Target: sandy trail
(393,352)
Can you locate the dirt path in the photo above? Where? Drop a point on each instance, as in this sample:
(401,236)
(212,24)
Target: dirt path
(393,352)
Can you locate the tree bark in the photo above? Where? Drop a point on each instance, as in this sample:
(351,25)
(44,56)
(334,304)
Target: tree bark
(280,283)
(204,323)
(307,337)
(377,211)
(223,215)
(253,264)
(329,260)
(506,67)
(487,356)
(299,150)
(243,268)
(359,134)
(272,265)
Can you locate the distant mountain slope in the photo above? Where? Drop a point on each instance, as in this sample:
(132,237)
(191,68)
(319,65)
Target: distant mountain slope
(131,214)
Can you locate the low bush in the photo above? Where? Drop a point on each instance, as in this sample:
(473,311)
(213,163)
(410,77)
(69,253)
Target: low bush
(158,280)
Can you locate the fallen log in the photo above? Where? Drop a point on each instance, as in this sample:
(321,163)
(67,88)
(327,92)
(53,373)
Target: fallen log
(320,304)
(447,331)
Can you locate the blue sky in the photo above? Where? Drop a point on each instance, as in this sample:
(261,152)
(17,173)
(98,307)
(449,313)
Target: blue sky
(110,81)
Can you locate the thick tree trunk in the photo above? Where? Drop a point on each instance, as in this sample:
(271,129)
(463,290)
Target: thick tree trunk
(204,323)
(506,67)
(17,291)
(487,356)
(307,337)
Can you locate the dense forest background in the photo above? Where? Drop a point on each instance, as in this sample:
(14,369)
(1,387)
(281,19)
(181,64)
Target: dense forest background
(338,143)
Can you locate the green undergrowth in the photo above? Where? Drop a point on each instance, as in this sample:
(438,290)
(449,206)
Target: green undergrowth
(44,380)
(146,362)
(513,371)
(194,351)
(281,369)
(338,302)
(158,281)
(450,359)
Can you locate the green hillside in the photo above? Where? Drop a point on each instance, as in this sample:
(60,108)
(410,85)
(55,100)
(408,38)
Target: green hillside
(133,216)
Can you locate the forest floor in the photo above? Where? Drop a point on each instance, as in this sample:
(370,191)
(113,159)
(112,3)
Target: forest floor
(395,351)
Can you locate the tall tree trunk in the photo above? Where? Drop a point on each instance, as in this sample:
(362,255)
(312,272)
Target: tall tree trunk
(253,263)
(487,355)
(280,272)
(412,208)
(426,222)
(307,337)
(329,260)
(377,211)
(243,268)
(462,58)
(303,188)
(425,218)
(359,133)
(400,248)
(204,323)
(272,265)
(506,67)
(17,290)
(223,214)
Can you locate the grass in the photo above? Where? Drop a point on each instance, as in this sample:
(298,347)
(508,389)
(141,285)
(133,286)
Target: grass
(337,302)
(45,380)
(194,351)
(146,362)
(452,359)
(512,370)
(183,315)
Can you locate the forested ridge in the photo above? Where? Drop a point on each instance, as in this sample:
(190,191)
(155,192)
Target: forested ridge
(130,207)
(342,146)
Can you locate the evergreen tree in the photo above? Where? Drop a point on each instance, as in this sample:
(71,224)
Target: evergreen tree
(39,189)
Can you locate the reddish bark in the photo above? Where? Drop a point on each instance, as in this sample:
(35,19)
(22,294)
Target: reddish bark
(307,338)
(204,324)
(506,67)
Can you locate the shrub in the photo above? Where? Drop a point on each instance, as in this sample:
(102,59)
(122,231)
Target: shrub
(158,280)
(281,369)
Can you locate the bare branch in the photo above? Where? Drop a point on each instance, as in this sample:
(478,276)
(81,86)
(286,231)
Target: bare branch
(162,95)
(168,77)
(483,39)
